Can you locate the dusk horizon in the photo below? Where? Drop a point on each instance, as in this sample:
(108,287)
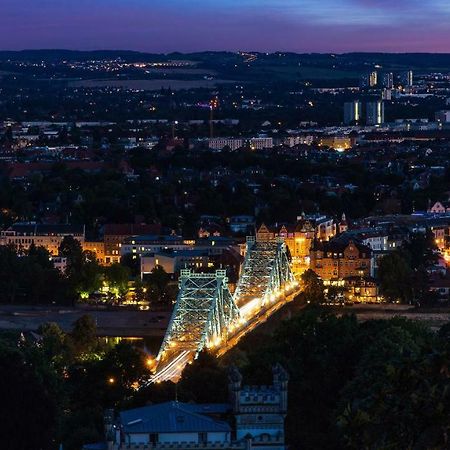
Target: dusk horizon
(207,50)
(266,26)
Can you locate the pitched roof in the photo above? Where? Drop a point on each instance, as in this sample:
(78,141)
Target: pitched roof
(130,229)
(30,229)
(339,244)
(172,417)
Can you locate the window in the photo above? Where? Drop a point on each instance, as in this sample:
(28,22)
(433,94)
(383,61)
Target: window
(153,438)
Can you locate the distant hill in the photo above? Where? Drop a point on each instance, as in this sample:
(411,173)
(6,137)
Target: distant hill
(387,61)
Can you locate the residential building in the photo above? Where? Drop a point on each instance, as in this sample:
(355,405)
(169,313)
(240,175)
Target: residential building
(96,247)
(408,78)
(386,94)
(339,143)
(292,141)
(172,261)
(221,143)
(149,243)
(375,113)
(388,80)
(242,224)
(115,233)
(439,208)
(369,79)
(352,112)
(300,236)
(339,259)
(440,231)
(140,245)
(23,235)
(361,290)
(440,286)
(261,143)
(60,263)
(442,116)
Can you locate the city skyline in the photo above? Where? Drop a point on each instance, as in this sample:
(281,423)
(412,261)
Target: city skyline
(177,25)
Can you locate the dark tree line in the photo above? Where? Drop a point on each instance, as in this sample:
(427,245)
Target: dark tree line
(373,385)
(403,273)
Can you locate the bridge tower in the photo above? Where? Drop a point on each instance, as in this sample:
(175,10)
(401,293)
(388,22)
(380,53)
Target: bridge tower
(204,315)
(266,271)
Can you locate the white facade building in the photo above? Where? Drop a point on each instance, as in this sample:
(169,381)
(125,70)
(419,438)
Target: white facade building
(221,143)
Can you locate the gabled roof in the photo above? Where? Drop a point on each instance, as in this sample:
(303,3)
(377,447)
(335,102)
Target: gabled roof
(339,244)
(172,417)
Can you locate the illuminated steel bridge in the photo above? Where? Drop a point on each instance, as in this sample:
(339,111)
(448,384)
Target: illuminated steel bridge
(207,315)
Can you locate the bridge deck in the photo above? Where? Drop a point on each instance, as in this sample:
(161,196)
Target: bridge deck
(255,272)
(207,315)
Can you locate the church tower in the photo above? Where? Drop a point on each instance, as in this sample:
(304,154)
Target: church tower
(343,225)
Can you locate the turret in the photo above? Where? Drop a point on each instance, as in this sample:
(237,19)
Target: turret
(343,225)
(234,387)
(280,382)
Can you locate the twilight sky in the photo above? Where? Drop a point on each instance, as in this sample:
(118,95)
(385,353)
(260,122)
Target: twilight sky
(191,25)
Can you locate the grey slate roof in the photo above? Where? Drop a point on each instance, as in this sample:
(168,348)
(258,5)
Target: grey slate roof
(173,417)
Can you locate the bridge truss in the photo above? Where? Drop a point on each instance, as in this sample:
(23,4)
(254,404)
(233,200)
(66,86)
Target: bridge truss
(204,314)
(265,273)
(207,315)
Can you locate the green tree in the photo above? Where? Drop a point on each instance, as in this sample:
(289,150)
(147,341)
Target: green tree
(117,277)
(56,345)
(204,380)
(84,335)
(26,398)
(132,262)
(399,395)
(313,289)
(157,282)
(83,273)
(395,276)
(71,249)
(421,249)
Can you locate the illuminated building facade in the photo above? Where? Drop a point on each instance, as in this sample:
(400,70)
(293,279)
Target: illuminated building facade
(337,259)
(260,143)
(375,113)
(22,235)
(408,78)
(339,143)
(115,234)
(299,237)
(97,248)
(352,112)
(388,80)
(361,290)
(221,143)
(174,261)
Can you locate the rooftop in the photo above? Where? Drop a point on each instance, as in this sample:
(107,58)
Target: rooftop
(174,417)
